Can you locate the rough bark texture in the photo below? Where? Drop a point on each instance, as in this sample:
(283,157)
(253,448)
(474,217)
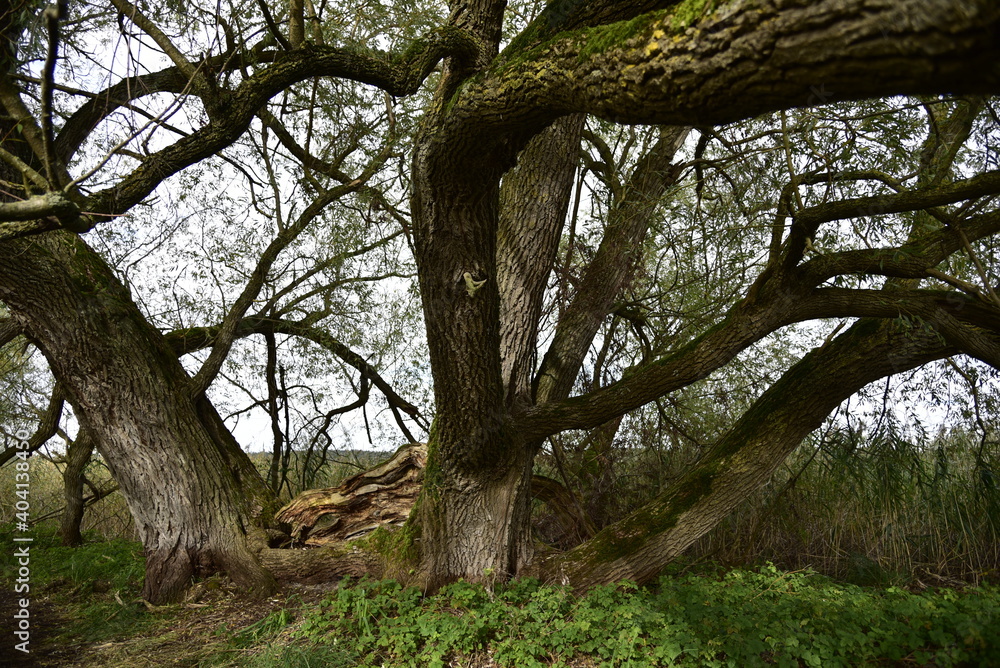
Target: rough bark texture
(638,546)
(195,496)
(195,513)
(321,564)
(384,496)
(534,200)
(77,457)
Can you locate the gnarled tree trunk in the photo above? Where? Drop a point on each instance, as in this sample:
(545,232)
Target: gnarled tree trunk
(197,502)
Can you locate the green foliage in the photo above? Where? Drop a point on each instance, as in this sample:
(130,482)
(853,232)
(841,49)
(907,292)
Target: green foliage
(311,656)
(107,519)
(743,618)
(873,509)
(96,585)
(117,563)
(760,617)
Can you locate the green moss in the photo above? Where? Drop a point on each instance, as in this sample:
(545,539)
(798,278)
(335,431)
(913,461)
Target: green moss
(598,40)
(651,25)
(432,472)
(396,547)
(690,11)
(531,35)
(628,536)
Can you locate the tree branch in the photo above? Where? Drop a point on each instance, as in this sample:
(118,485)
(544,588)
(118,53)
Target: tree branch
(744,59)
(911,260)
(534,198)
(48,425)
(808,220)
(612,267)
(52,15)
(638,546)
(398,74)
(40,206)
(9,330)
(186,68)
(188,340)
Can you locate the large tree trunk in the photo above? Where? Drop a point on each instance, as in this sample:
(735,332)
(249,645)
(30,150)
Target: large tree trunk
(482,277)
(475,503)
(197,503)
(474,506)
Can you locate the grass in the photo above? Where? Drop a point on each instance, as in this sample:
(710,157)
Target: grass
(891,513)
(86,607)
(872,511)
(694,616)
(93,587)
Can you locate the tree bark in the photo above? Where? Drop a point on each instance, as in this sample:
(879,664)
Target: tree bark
(613,267)
(380,497)
(534,199)
(474,506)
(198,505)
(77,457)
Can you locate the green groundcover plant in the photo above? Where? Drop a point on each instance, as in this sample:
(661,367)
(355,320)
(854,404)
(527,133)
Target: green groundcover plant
(740,618)
(715,617)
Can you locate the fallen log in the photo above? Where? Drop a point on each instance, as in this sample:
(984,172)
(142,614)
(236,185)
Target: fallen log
(383,497)
(380,497)
(320,565)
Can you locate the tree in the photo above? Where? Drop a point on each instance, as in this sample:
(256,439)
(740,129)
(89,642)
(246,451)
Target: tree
(491,175)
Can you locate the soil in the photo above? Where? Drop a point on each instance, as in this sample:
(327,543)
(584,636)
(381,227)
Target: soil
(185,634)
(45,624)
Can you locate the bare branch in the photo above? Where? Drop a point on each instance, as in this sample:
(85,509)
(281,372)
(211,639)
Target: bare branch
(143,23)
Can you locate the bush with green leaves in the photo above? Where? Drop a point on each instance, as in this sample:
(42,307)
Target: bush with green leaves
(741,618)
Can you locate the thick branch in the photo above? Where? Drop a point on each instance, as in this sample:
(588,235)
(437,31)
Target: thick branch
(928,306)
(612,268)
(9,330)
(641,544)
(39,206)
(808,220)
(563,15)
(399,75)
(745,324)
(534,198)
(911,260)
(744,59)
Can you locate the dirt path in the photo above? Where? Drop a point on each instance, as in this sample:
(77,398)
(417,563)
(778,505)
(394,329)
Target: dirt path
(45,624)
